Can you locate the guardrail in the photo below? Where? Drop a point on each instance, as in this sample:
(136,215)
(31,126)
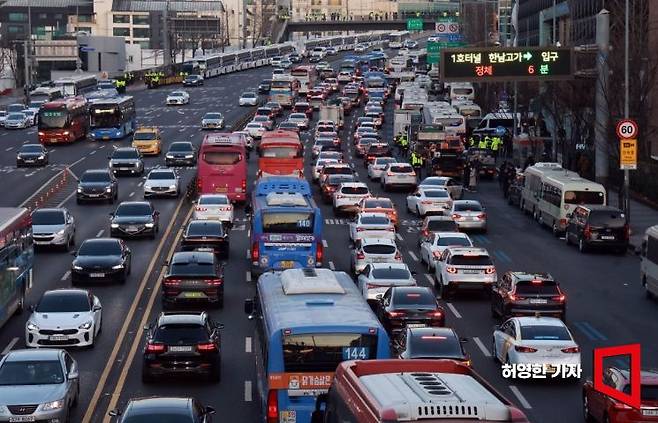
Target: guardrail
(46,194)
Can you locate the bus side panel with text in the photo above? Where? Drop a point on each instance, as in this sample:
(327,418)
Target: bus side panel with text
(286,225)
(280,153)
(113,118)
(63,121)
(222,166)
(303,335)
(16,260)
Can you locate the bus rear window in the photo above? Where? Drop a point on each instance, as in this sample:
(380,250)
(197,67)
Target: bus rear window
(288,222)
(583,197)
(323,352)
(279,152)
(222,157)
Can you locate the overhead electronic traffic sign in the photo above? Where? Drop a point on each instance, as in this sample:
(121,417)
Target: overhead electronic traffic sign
(507,64)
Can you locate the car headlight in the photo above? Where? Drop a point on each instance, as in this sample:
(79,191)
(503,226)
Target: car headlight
(32,327)
(114,225)
(172,186)
(76,267)
(59,233)
(189,156)
(86,325)
(79,189)
(169,156)
(149,225)
(108,189)
(41,157)
(53,405)
(117,267)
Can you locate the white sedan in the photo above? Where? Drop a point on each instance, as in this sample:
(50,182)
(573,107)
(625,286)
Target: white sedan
(214,207)
(248,98)
(178,97)
(371,225)
(376,167)
(432,248)
(65,317)
(378,277)
(161,182)
(255,130)
(455,188)
(429,201)
(535,340)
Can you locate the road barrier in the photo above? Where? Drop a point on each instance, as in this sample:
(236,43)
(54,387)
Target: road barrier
(47,192)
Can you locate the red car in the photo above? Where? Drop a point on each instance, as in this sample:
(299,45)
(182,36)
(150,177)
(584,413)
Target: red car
(598,407)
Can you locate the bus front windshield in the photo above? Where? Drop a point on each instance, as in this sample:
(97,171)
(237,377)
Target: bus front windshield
(52,119)
(322,352)
(105,117)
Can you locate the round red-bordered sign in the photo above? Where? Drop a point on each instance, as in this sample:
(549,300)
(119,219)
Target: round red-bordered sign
(440,28)
(627,129)
(454,28)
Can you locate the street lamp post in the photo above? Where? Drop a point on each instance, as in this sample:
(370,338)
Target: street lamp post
(627,202)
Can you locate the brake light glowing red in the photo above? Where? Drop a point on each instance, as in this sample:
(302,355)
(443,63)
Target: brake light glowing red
(201,209)
(206,347)
(171,282)
(587,232)
(456,216)
(435,314)
(199,183)
(398,256)
(627,232)
(215,282)
(244,185)
(272,406)
(155,348)
(490,270)
(396,314)
(255,252)
(512,296)
(481,216)
(319,253)
(571,350)
(360,255)
(522,349)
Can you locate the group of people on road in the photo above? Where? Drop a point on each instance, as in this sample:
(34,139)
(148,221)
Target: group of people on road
(493,143)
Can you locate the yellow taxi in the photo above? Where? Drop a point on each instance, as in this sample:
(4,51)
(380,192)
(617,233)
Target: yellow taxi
(148,140)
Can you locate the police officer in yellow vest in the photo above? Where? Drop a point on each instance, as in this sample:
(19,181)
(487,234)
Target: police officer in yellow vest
(121,86)
(484,142)
(404,144)
(496,143)
(416,161)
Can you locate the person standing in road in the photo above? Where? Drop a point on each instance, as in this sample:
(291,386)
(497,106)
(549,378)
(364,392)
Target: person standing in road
(474,174)
(466,178)
(484,142)
(416,161)
(496,142)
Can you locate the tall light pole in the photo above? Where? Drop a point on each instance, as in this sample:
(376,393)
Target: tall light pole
(627,203)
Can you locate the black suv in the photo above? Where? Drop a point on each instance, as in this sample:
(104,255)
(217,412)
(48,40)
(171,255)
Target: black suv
(97,184)
(133,219)
(206,235)
(520,294)
(409,306)
(601,227)
(182,343)
(193,277)
(430,343)
(193,81)
(264,86)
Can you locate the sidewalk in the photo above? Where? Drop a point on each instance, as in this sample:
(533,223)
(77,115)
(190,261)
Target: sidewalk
(642,217)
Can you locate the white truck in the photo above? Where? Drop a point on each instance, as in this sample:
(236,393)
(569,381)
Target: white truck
(333,113)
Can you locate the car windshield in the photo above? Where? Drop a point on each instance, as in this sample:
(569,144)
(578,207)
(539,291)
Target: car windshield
(99,249)
(355,190)
(390,273)
(417,297)
(181,334)
(445,241)
(145,136)
(374,204)
(297,116)
(177,94)
(288,222)
(375,220)
(31,373)
(222,157)
(48,217)
(248,95)
(125,154)
(133,210)
(56,302)
(95,177)
(401,169)
(16,116)
(433,345)
(161,175)
(192,269)
(436,194)
(31,148)
(434,181)
(210,228)
(447,225)
(338,179)
(539,287)
(544,333)
(384,161)
(471,260)
(213,200)
(181,147)
(461,207)
(584,197)
(213,116)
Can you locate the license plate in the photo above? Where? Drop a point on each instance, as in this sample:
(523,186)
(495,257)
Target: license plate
(221,189)
(105,137)
(53,140)
(471,272)
(22,419)
(193,295)
(58,338)
(131,228)
(97,275)
(538,301)
(180,349)
(288,416)
(205,249)
(288,264)
(611,237)
(650,412)
(416,325)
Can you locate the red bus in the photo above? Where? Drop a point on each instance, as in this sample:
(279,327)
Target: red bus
(63,121)
(222,166)
(280,152)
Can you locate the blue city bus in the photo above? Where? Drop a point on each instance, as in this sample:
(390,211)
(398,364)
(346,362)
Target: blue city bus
(112,118)
(286,225)
(308,322)
(16,260)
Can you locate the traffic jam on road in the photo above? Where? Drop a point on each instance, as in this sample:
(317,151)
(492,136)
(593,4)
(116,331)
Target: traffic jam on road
(337,237)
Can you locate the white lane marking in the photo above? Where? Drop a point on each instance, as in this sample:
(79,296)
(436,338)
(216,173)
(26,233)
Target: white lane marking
(93,152)
(247,344)
(9,346)
(247,391)
(102,146)
(398,236)
(65,276)
(100,233)
(331,265)
(248,254)
(413,256)
(324,243)
(248,276)
(140,184)
(454,310)
(131,194)
(9,148)
(481,346)
(429,278)
(27,175)
(524,402)
(77,161)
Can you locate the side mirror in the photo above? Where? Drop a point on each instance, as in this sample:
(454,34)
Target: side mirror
(219,325)
(96,308)
(249,307)
(73,374)
(209,410)
(463,340)
(114,413)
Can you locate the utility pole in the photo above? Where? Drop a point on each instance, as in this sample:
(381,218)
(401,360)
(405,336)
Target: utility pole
(627,198)
(165,44)
(601,145)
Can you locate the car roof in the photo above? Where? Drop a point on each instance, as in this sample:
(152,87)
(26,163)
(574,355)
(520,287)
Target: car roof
(50,210)
(40,354)
(124,149)
(430,189)
(101,241)
(96,171)
(162,170)
(354,184)
(182,143)
(423,331)
(143,406)
(182,318)
(469,250)
(452,234)
(541,320)
(372,214)
(437,218)
(525,276)
(596,207)
(209,223)
(466,202)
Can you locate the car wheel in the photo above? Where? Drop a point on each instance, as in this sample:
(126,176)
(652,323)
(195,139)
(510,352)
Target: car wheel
(582,247)
(555,229)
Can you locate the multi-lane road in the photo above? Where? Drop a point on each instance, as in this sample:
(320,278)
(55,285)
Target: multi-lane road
(606,305)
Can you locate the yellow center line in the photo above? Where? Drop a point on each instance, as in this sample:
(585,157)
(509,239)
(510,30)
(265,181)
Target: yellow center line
(129,317)
(116,394)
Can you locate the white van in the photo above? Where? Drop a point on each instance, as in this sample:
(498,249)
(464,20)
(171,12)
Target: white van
(649,263)
(491,121)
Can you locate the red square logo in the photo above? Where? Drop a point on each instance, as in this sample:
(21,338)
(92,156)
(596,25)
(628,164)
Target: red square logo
(633,350)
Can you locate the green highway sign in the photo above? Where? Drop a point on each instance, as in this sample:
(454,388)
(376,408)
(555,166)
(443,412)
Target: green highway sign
(434,49)
(506,64)
(415,24)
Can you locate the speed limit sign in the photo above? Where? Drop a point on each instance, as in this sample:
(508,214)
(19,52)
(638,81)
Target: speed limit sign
(627,129)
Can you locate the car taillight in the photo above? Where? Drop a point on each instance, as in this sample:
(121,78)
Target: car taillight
(436,254)
(206,347)
(319,253)
(559,298)
(200,209)
(390,173)
(512,296)
(338,196)
(456,216)
(522,349)
(215,282)
(396,314)
(627,232)
(571,350)
(199,184)
(451,269)
(621,406)
(255,252)
(481,216)
(360,229)
(490,270)
(272,406)
(398,256)
(360,255)
(391,229)
(244,185)
(425,232)
(435,314)
(153,348)
(587,232)
(371,286)
(171,282)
